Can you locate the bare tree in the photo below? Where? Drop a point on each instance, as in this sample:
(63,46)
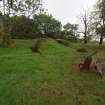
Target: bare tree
(85,24)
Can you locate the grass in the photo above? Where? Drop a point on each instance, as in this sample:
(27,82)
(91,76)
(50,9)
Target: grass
(49,78)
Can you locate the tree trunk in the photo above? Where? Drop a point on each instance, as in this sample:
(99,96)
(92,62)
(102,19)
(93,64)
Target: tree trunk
(9,7)
(85,39)
(3,7)
(101,40)
(85,33)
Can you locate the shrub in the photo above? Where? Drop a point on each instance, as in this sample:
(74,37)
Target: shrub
(7,41)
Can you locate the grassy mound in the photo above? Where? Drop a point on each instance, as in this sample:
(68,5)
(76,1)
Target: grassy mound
(51,78)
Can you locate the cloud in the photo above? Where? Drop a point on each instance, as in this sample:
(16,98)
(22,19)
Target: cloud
(67,10)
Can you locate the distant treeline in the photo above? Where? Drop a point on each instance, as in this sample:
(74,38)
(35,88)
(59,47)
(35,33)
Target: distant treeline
(24,27)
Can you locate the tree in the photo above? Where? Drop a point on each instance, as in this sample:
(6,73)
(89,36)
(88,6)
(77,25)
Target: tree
(24,7)
(70,29)
(1,26)
(29,7)
(23,27)
(47,24)
(5,31)
(85,29)
(101,26)
(7,6)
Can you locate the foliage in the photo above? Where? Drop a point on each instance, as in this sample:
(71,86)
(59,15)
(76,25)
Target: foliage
(101,17)
(70,32)
(6,20)
(101,9)
(7,41)
(70,29)
(100,30)
(47,24)
(29,7)
(26,7)
(23,27)
(15,24)
(5,31)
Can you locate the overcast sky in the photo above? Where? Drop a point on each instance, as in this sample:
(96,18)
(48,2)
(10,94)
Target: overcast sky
(67,10)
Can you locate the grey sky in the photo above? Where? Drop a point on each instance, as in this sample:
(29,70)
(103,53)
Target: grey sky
(67,10)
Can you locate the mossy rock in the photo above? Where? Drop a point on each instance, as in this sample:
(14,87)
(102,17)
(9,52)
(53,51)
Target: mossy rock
(36,47)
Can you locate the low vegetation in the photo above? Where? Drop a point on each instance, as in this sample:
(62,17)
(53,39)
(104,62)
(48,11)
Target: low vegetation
(63,42)
(52,78)
(37,70)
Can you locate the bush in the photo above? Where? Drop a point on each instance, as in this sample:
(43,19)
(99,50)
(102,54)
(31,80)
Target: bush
(7,41)
(23,28)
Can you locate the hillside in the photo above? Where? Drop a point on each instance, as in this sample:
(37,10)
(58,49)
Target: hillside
(49,78)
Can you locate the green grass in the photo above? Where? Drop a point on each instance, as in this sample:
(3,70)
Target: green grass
(49,78)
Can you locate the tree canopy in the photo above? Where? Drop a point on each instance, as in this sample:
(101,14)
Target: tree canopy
(47,24)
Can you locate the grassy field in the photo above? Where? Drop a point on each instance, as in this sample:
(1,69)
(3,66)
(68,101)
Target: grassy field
(49,78)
